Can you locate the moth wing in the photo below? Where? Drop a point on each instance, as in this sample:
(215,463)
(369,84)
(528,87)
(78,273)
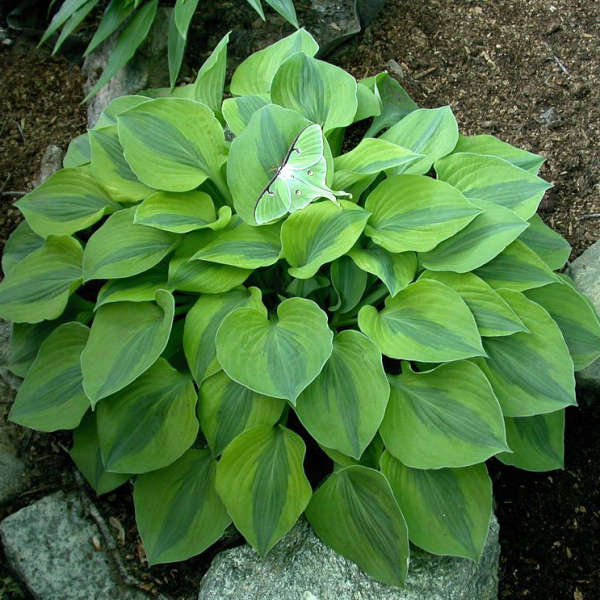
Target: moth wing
(273,203)
(309,184)
(307,150)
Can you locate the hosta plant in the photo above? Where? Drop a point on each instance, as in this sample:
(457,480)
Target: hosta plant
(255,314)
(135,18)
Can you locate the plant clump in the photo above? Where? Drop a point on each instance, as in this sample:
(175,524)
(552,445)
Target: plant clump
(210,287)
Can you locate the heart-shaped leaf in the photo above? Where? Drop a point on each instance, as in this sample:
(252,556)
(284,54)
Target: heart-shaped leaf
(52,397)
(537,442)
(125,340)
(549,245)
(150,423)
(492,314)
(173,144)
(322,92)
(208,87)
(120,248)
(276,358)
(202,322)
(177,509)
(226,409)
(355,513)
(261,481)
(237,111)
(343,407)
(78,152)
(447,511)
(493,180)
(427,321)
(432,423)
(21,243)
(411,212)
(531,373)
(66,202)
(319,234)
(349,283)
(38,287)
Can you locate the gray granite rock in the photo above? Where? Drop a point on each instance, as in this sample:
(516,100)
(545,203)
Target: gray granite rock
(49,546)
(13,474)
(301,567)
(585,272)
(51,162)
(147,69)
(368,9)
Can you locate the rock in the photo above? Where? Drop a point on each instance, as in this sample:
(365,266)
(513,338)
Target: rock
(301,567)
(13,474)
(368,9)
(51,162)
(49,546)
(585,272)
(550,118)
(147,69)
(332,22)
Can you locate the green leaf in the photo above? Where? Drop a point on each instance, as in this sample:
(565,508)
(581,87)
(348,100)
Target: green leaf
(86,455)
(116,12)
(241,245)
(78,152)
(277,358)
(446,417)
(395,102)
(257,154)
(177,509)
(550,246)
(429,131)
(175,50)
(208,87)
(411,212)
(286,9)
(344,406)
(109,167)
(322,92)
(226,409)
(180,213)
(20,244)
(395,270)
(149,424)
(134,33)
(73,22)
(66,202)
(517,268)
(447,511)
(319,234)
(125,340)
(202,322)
(173,144)
(369,103)
(254,76)
(531,373)
(184,11)
(51,397)
(261,481)
(427,321)
(494,317)
(370,157)
(576,317)
(26,338)
(115,107)
(537,442)
(478,243)
(238,111)
(493,180)
(349,283)
(38,287)
(139,288)
(355,513)
(67,8)
(492,146)
(201,276)
(120,248)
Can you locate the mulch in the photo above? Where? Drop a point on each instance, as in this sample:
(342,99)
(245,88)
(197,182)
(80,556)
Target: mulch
(526,71)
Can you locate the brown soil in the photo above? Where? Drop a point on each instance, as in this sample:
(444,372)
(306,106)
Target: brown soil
(500,65)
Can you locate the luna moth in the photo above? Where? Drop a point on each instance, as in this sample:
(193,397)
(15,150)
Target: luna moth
(300,179)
